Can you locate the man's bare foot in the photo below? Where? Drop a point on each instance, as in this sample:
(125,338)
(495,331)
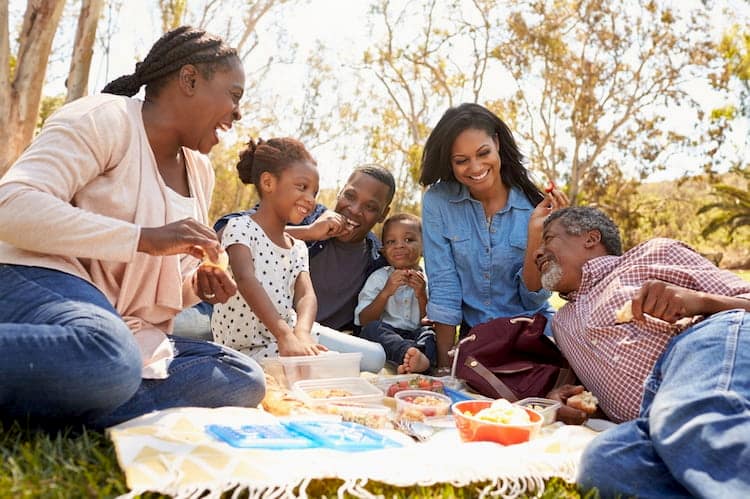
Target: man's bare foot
(414,362)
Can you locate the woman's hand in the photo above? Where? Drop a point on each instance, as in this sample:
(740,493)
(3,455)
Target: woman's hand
(187,236)
(553,201)
(213,284)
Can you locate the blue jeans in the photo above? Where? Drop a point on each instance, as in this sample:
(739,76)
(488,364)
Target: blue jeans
(397,341)
(67,356)
(194,322)
(373,356)
(692,436)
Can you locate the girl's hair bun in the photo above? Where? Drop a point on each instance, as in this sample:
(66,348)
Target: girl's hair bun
(247,160)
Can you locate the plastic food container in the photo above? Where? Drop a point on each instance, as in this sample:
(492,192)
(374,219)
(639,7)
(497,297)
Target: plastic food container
(316,392)
(472,429)
(373,416)
(289,370)
(546,407)
(418,405)
(412,382)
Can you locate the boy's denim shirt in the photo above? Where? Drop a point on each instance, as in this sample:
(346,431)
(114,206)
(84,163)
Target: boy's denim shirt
(474,267)
(314,247)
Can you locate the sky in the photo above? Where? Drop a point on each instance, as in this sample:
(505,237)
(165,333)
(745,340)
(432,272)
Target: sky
(135,28)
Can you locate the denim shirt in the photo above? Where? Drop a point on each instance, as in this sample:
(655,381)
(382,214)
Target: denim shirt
(375,261)
(474,268)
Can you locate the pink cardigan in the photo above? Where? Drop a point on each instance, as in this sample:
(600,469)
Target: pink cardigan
(75,201)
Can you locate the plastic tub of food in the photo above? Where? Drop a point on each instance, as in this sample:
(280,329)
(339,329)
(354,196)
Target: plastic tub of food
(289,370)
(315,392)
(473,428)
(546,407)
(418,405)
(371,415)
(392,384)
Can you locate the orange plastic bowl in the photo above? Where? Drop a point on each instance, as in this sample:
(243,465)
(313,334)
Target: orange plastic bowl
(474,429)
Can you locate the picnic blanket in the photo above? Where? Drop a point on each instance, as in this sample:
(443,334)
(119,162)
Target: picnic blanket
(169,452)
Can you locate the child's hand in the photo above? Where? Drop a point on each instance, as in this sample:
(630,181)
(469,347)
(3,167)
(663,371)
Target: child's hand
(415,280)
(331,224)
(313,347)
(310,345)
(291,346)
(397,279)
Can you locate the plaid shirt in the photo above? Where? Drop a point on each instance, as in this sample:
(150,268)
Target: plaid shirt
(613,361)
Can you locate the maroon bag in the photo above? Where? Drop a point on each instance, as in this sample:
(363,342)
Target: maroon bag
(511,358)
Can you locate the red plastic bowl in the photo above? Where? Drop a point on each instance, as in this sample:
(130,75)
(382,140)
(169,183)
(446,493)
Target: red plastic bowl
(473,429)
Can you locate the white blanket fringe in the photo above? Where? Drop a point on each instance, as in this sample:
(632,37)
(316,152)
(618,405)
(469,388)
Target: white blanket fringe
(170,453)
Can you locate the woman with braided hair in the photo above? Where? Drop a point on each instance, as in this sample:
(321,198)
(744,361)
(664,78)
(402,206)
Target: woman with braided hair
(102,229)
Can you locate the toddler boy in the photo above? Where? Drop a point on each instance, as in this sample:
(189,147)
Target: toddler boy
(393,301)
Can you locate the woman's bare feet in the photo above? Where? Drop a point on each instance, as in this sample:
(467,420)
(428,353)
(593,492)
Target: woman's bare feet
(414,362)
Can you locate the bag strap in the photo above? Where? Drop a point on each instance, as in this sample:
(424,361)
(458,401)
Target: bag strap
(501,388)
(565,376)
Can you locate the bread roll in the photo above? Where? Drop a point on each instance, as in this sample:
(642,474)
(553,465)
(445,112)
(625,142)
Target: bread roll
(222,263)
(625,313)
(584,401)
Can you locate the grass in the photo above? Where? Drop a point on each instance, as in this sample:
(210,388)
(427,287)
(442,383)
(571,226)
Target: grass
(82,464)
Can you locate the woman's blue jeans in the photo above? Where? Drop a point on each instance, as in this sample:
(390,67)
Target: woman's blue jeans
(67,356)
(692,437)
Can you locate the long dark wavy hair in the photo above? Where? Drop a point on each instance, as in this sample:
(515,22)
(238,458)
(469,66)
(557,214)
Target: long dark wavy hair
(436,157)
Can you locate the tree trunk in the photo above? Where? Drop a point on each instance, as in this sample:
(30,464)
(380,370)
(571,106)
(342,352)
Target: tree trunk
(22,95)
(83,49)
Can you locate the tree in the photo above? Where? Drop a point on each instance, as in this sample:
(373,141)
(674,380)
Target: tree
(172,13)
(417,67)
(731,209)
(21,89)
(83,49)
(595,83)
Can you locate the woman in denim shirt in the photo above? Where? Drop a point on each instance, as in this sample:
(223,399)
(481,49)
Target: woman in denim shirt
(482,221)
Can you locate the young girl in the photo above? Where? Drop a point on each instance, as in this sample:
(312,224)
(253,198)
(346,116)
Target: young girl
(274,310)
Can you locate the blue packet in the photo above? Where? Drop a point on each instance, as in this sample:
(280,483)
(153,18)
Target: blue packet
(455,395)
(268,436)
(342,435)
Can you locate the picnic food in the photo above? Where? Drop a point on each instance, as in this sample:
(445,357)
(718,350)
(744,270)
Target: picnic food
(222,262)
(625,313)
(418,383)
(502,411)
(546,407)
(373,416)
(473,428)
(584,401)
(416,405)
(327,393)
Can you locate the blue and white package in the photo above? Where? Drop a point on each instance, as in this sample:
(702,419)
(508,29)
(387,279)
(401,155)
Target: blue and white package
(266,436)
(342,435)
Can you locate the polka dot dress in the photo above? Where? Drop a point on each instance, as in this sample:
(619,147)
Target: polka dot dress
(233,323)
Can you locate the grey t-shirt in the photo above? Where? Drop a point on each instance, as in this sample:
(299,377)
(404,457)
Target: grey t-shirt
(338,273)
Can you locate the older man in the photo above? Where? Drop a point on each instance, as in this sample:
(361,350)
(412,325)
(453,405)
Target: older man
(677,374)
